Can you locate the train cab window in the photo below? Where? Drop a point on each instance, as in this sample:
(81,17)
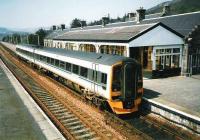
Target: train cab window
(52,61)
(56,62)
(68,66)
(116,84)
(104,78)
(62,65)
(83,72)
(75,69)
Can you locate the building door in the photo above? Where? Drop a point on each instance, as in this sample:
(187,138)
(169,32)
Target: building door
(136,53)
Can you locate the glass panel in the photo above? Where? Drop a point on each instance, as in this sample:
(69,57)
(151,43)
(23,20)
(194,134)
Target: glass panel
(176,50)
(167,61)
(75,69)
(56,62)
(175,61)
(62,64)
(48,60)
(52,61)
(83,72)
(116,85)
(68,66)
(129,81)
(104,78)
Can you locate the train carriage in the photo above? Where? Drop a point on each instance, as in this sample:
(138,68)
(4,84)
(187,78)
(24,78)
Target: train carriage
(101,78)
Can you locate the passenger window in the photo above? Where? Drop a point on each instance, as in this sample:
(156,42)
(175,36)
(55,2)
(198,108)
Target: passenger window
(48,60)
(104,78)
(68,66)
(57,62)
(40,57)
(52,61)
(62,64)
(75,69)
(83,72)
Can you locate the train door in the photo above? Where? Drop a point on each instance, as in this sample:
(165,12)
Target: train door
(94,85)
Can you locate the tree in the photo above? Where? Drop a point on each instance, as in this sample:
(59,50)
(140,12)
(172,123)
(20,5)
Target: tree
(77,23)
(40,34)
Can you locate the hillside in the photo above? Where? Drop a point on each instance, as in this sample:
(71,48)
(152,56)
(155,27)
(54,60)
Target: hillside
(177,6)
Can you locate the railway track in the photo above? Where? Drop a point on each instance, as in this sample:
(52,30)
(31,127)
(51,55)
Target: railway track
(75,124)
(69,119)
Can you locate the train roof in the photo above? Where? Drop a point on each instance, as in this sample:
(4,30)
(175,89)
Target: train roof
(105,59)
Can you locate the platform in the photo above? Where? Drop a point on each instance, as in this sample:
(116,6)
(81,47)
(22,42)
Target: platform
(175,98)
(20,117)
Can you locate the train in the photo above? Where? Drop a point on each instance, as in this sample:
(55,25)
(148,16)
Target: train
(106,80)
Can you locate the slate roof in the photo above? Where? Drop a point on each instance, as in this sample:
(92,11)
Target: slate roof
(117,34)
(156,15)
(122,34)
(182,23)
(105,59)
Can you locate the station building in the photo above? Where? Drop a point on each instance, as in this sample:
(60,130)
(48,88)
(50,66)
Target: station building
(164,44)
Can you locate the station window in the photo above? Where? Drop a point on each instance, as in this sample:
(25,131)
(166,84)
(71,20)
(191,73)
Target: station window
(83,72)
(68,66)
(62,64)
(56,62)
(104,78)
(75,69)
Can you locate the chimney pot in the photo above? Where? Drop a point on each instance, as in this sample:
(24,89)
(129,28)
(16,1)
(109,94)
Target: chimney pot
(166,10)
(62,26)
(105,20)
(54,27)
(140,14)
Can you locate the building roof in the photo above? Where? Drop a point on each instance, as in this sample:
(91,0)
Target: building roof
(181,23)
(121,34)
(105,59)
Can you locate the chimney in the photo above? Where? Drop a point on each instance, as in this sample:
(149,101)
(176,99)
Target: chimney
(140,14)
(62,26)
(166,10)
(105,20)
(54,27)
(131,16)
(83,23)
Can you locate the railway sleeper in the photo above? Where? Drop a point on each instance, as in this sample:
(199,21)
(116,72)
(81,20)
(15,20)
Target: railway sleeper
(87,136)
(52,108)
(78,127)
(41,92)
(66,116)
(55,108)
(60,111)
(43,95)
(73,123)
(70,120)
(81,132)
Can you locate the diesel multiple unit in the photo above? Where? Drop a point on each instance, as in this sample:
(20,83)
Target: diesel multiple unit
(110,80)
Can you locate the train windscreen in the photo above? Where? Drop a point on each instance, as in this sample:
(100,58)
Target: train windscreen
(129,81)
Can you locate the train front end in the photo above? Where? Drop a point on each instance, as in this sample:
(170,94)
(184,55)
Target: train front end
(126,87)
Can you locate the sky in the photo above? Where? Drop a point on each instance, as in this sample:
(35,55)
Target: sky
(45,13)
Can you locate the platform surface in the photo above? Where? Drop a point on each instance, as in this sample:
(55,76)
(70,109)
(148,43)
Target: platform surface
(20,118)
(180,93)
